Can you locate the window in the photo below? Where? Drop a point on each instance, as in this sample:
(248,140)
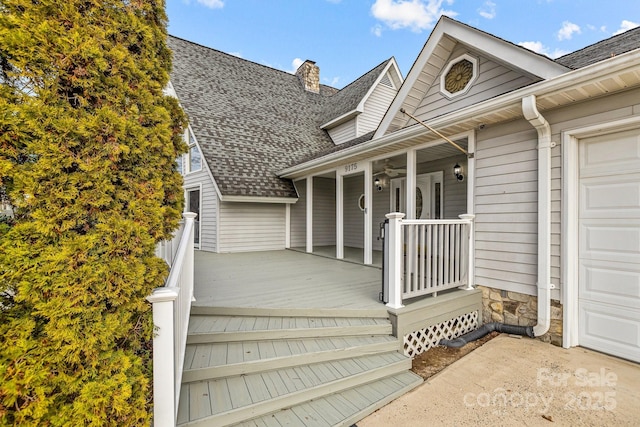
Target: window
(192,161)
(195,158)
(193,205)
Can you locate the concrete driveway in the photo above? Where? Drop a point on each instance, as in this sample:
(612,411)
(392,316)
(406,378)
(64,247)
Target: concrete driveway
(522,382)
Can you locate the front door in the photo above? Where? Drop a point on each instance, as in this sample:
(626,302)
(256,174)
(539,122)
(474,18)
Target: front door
(428,195)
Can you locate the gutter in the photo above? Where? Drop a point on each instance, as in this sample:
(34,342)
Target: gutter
(531,113)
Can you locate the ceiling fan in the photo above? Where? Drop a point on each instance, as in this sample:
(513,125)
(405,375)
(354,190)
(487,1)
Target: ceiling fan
(390,171)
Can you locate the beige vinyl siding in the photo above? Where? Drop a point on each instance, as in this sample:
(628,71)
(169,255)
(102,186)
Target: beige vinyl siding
(324,212)
(454,193)
(343,132)
(374,108)
(493,79)
(208,208)
(251,227)
(506,208)
(299,216)
(353,216)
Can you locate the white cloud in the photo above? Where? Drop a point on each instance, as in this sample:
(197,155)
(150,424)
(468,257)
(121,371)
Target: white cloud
(626,26)
(212,4)
(416,15)
(538,47)
(238,54)
(377,30)
(332,82)
(295,64)
(568,30)
(488,10)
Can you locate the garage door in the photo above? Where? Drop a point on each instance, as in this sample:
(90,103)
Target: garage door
(609,247)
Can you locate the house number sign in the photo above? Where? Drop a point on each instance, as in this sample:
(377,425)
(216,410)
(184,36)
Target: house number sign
(351,167)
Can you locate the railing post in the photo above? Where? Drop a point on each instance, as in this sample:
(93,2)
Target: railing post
(395,260)
(470,252)
(189,263)
(164,406)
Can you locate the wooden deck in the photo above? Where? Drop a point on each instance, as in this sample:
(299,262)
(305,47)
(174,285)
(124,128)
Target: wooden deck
(285,279)
(289,338)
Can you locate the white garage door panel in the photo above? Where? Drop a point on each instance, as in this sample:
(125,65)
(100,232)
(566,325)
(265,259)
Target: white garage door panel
(605,197)
(600,239)
(609,244)
(611,283)
(610,329)
(605,154)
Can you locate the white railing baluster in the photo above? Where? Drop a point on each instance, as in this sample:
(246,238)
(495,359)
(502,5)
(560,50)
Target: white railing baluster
(421,251)
(428,256)
(171,311)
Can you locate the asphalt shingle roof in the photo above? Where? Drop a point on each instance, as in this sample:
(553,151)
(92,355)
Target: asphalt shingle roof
(348,98)
(602,50)
(251,120)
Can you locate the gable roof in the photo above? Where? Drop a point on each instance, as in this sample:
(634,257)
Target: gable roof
(616,45)
(432,59)
(350,98)
(251,120)
(604,74)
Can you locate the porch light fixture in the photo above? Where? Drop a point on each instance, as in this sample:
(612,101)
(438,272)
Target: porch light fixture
(457,171)
(377,184)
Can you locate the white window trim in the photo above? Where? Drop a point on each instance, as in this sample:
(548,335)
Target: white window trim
(199,218)
(186,158)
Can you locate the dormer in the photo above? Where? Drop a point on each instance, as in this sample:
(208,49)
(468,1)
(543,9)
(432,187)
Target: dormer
(358,108)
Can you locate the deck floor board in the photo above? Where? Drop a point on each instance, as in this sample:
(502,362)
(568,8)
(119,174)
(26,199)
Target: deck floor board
(284,279)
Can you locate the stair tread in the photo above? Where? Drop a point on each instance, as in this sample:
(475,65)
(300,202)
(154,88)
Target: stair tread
(206,355)
(203,324)
(342,408)
(218,396)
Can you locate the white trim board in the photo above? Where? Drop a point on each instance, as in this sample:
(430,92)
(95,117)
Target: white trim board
(570,232)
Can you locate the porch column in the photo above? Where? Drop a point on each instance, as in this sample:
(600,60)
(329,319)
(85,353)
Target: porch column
(309,214)
(287,226)
(368,214)
(339,216)
(410,195)
(394,270)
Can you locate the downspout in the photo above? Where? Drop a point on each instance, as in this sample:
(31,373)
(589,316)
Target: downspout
(531,113)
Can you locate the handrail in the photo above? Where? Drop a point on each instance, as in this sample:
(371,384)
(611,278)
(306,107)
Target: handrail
(171,311)
(427,256)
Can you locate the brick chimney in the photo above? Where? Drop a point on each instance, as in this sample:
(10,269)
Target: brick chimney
(309,75)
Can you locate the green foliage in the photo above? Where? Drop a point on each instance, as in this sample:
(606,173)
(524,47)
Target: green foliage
(88,144)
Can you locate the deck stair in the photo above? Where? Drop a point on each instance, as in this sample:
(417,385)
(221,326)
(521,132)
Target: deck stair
(283,367)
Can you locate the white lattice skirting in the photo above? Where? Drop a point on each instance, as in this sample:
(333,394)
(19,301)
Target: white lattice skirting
(417,342)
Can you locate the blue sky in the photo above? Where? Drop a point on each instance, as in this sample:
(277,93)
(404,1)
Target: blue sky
(347,38)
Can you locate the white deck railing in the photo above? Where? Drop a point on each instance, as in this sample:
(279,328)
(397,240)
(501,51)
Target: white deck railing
(171,311)
(427,256)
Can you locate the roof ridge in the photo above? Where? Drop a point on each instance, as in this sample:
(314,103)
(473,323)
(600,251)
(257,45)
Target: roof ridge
(386,61)
(608,39)
(234,56)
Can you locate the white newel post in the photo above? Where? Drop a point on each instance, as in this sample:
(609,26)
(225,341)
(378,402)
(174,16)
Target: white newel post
(164,407)
(471,252)
(395,259)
